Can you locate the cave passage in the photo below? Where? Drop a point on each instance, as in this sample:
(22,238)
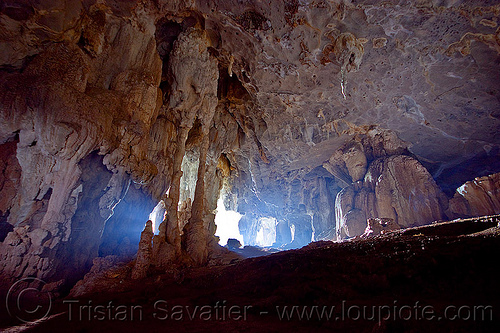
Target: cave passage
(227,224)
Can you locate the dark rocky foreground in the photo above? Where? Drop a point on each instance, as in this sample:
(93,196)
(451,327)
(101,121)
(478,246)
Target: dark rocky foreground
(318,114)
(437,278)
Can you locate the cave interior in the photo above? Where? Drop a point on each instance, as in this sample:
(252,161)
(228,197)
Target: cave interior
(210,165)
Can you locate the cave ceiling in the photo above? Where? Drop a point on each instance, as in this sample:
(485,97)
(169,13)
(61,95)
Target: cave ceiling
(427,70)
(315,73)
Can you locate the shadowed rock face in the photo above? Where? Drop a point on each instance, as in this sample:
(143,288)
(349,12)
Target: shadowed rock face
(281,104)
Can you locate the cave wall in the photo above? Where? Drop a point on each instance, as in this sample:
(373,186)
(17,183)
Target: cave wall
(97,113)
(396,188)
(86,224)
(285,105)
(477,197)
(80,100)
(9,184)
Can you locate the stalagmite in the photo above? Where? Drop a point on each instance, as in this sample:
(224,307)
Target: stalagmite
(143,260)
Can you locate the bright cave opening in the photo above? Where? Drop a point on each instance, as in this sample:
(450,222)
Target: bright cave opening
(227,224)
(157,216)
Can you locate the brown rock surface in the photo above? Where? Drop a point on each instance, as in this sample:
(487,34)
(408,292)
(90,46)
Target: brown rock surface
(144,253)
(396,187)
(480,196)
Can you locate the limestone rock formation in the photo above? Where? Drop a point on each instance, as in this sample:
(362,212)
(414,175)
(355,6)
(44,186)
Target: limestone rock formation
(78,107)
(348,164)
(106,272)
(144,253)
(396,187)
(302,227)
(193,76)
(478,197)
(233,243)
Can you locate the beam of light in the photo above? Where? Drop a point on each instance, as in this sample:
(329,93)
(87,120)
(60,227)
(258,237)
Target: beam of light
(227,224)
(266,236)
(157,215)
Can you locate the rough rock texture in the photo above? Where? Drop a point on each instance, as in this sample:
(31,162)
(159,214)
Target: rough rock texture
(9,184)
(109,107)
(61,106)
(233,243)
(377,226)
(433,266)
(193,77)
(103,270)
(143,260)
(396,187)
(480,196)
(90,147)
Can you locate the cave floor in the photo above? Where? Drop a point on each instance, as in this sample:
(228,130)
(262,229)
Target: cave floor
(441,278)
